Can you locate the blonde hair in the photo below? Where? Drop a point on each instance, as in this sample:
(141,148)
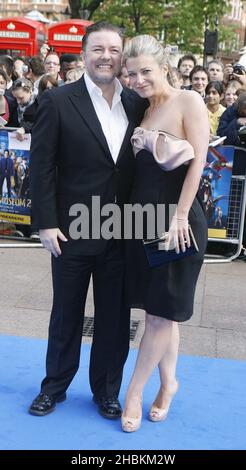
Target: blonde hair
(145,45)
(75,74)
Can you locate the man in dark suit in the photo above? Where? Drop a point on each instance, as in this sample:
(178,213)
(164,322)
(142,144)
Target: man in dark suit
(6,171)
(81,149)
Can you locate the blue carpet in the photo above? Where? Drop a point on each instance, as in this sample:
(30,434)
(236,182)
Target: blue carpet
(208,412)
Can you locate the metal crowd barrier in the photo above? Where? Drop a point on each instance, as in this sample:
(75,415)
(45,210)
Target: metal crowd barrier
(24,242)
(236,211)
(235,218)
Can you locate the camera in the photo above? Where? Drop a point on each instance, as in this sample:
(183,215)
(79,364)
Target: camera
(238,69)
(24,68)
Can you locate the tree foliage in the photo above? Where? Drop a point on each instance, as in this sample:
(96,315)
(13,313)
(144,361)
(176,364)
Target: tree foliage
(178,22)
(185,26)
(135,16)
(83,8)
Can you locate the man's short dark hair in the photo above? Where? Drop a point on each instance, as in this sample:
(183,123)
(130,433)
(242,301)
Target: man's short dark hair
(36,64)
(188,56)
(198,68)
(216,61)
(69,58)
(101,26)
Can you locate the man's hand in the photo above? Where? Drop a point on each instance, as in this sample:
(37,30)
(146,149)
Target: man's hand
(241,79)
(49,239)
(228,71)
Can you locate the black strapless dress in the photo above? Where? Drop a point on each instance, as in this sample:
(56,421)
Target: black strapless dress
(168,290)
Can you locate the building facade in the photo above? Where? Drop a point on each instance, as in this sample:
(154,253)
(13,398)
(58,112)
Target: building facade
(236,17)
(54,10)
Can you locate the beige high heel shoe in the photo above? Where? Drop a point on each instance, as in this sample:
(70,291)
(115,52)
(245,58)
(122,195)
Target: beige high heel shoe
(159,414)
(130,424)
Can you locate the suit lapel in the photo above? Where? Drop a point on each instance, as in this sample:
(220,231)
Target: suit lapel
(82,102)
(128,106)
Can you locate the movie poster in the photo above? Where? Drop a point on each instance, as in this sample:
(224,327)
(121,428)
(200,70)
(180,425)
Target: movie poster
(215,189)
(15,202)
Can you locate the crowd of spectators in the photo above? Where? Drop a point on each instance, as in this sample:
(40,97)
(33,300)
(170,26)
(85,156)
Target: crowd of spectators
(24,79)
(22,82)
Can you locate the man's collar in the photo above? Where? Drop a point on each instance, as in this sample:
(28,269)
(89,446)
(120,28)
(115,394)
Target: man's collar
(93,88)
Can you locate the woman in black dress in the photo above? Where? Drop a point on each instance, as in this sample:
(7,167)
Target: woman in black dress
(170,147)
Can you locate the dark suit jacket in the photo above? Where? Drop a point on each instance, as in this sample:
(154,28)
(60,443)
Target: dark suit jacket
(6,166)
(229,127)
(13,118)
(71,161)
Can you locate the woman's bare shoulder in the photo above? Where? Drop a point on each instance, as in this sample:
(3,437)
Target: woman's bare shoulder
(191,96)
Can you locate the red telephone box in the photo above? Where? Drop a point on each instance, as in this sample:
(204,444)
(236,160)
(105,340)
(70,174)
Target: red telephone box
(21,37)
(66,36)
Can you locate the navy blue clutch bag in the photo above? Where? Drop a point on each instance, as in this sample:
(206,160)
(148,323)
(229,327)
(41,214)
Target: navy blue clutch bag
(157,255)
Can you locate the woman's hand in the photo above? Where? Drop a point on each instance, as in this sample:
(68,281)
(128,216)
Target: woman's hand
(178,235)
(20,134)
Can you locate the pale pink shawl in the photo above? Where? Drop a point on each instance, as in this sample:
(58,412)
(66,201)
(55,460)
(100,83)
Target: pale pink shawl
(174,150)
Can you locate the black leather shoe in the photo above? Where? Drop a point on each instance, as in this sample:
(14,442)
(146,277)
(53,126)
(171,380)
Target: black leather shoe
(44,404)
(108,407)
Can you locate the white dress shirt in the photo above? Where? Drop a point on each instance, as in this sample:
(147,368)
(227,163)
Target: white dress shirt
(113,120)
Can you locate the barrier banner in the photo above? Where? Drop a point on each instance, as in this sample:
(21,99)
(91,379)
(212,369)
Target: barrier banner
(215,188)
(15,202)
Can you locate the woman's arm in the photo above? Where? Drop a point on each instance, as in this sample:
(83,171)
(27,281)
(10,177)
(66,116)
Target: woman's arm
(196,127)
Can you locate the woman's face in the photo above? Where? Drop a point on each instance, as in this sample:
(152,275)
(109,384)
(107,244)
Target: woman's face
(22,96)
(213,97)
(146,77)
(230,96)
(177,82)
(3,83)
(124,77)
